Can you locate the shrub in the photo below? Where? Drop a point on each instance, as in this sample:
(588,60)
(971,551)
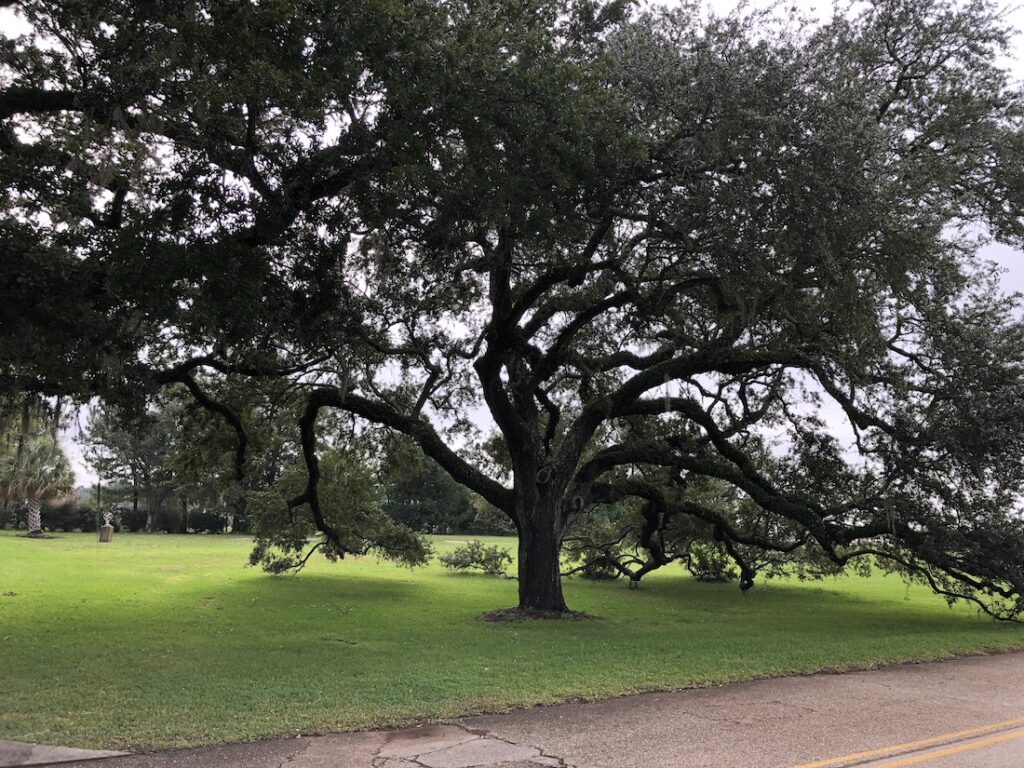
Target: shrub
(89,519)
(11,515)
(241,523)
(475,555)
(206,521)
(131,520)
(69,517)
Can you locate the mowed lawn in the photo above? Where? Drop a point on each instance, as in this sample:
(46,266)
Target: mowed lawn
(159,641)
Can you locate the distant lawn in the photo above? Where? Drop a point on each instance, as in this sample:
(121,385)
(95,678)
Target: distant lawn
(159,641)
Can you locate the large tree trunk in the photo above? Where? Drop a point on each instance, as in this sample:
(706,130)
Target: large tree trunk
(35,518)
(538,484)
(540,546)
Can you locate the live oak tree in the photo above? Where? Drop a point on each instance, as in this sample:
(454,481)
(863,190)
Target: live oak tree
(652,248)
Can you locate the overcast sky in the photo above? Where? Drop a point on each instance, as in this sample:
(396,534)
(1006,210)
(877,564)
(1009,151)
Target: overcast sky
(1010,260)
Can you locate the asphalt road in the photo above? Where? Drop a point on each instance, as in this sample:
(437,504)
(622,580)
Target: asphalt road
(998,746)
(954,714)
(798,721)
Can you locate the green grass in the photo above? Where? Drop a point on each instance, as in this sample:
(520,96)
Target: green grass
(159,641)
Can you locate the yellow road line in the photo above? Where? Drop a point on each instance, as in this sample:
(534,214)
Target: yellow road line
(895,749)
(990,741)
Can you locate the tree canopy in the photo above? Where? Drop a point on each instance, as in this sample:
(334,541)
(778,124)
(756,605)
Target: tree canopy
(651,246)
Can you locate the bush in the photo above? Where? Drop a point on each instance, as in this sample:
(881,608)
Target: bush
(205,521)
(131,520)
(475,555)
(89,519)
(69,517)
(11,516)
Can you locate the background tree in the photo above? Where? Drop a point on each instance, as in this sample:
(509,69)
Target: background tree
(26,417)
(421,495)
(39,472)
(649,245)
(134,449)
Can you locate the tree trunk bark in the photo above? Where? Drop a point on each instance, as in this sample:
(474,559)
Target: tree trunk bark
(35,518)
(540,547)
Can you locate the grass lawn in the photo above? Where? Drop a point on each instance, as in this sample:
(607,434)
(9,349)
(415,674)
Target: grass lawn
(159,641)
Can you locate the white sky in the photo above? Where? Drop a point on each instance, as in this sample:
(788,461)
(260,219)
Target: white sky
(1010,260)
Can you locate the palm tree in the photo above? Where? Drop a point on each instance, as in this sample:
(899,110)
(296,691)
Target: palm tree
(38,472)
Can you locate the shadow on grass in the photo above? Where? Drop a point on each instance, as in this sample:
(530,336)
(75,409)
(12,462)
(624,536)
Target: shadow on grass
(802,608)
(479,575)
(436,601)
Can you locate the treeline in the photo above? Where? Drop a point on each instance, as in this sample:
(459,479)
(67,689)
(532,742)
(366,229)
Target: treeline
(169,467)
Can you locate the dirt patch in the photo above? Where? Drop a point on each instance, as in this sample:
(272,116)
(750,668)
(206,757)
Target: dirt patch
(524,614)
